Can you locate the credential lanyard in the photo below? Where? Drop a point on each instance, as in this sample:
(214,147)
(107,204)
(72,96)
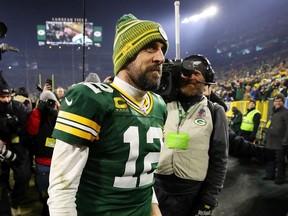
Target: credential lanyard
(182,115)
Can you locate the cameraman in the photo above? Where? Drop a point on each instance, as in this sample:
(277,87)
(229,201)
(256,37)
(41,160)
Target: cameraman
(13,117)
(193,161)
(40,126)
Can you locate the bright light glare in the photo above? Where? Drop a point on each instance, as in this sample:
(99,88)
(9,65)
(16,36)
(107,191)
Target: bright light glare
(206,13)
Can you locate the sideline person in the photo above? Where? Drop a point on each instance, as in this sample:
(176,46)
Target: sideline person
(250,122)
(108,136)
(13,117)
(277,141)
(193,161)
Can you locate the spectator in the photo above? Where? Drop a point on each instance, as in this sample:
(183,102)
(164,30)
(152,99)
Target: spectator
(237,91)
(236,120)
(277,140)
(40,126)
(60,94)
(108,136)
(250,122)
(284,91)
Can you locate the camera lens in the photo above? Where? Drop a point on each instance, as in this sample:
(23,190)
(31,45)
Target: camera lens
(51,103)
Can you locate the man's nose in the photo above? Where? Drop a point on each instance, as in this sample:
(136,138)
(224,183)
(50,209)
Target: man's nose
(159,56)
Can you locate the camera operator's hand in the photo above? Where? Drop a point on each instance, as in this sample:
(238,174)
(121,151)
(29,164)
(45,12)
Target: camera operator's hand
(47,86)
(203,210)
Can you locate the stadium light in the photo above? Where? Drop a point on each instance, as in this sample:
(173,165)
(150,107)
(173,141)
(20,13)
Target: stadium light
(206,13)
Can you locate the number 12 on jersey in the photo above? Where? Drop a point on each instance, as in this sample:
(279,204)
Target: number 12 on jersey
(131,137)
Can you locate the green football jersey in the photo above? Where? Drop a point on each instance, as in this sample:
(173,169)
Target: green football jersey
(124,143)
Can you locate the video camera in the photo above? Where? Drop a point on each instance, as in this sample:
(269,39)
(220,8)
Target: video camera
(6,154)
(171,72)
(173,69)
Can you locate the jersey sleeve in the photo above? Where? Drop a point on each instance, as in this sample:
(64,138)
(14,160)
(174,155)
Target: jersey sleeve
(81,113)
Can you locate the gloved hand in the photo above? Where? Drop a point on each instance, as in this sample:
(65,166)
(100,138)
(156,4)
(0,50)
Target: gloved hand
(41,106)
(202,210)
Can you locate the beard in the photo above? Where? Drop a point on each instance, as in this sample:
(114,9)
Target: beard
(192,89)
(148,80)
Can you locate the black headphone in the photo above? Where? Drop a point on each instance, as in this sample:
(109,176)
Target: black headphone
(209,72)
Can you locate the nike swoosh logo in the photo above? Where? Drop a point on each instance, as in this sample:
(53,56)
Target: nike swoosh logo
(69,103)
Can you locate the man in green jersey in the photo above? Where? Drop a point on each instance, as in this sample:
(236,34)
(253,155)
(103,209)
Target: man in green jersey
(108,136)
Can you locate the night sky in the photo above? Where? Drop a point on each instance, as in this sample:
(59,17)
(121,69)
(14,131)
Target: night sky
(22,18)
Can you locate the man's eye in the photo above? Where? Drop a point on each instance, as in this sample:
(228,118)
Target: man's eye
(150,48)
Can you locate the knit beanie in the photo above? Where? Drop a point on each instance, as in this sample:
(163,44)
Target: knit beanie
(131,36)
(75,26)
(280,96)
(4,87)
(92,77)
(46,95)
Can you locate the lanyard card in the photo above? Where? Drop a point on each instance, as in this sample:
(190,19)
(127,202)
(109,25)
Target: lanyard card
(177,140)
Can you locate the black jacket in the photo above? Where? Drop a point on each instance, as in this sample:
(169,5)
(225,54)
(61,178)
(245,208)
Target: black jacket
(277,133)
(241,148)
(218,157)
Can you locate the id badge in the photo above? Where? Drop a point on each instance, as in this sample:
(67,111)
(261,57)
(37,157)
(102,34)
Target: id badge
(50,142)
(177,140)
(15,139)
(268,124)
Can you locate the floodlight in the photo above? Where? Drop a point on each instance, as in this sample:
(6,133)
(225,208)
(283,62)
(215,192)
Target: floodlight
(211,11)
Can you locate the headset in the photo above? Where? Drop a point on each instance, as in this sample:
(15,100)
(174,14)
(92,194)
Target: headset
(201,63)
(172,70)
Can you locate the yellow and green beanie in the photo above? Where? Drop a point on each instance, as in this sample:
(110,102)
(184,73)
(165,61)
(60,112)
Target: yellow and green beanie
(131,36)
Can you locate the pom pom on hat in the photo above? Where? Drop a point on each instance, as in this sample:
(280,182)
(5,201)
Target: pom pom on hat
(4,87)
(47,95)
(131,36)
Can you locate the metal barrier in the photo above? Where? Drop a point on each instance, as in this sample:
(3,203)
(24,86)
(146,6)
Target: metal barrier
(265,108)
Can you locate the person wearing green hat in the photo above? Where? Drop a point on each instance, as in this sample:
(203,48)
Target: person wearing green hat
(109,135)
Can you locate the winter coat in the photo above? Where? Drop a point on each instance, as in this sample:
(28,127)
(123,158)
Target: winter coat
(277,131)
